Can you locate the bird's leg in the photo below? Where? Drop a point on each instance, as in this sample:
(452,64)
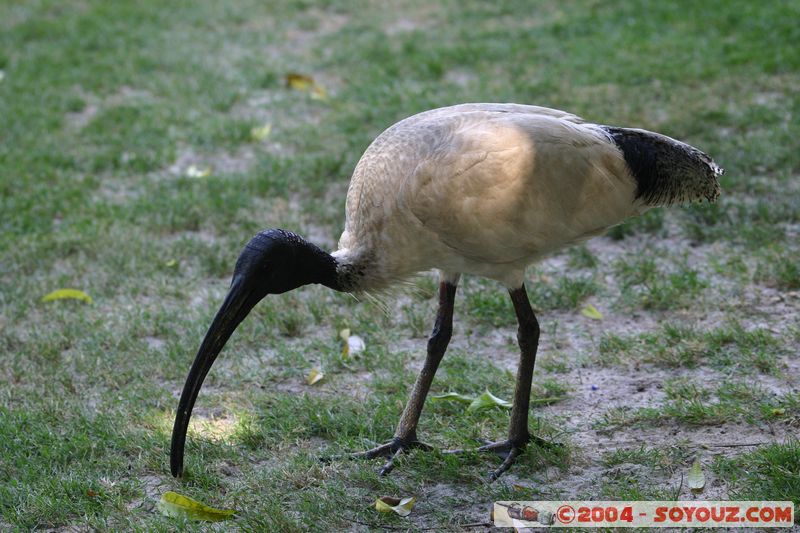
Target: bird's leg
(518,434)
(405,436)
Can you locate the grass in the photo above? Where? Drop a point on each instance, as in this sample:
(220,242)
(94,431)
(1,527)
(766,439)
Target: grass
(680,346)
(106,106)
(771,472)
(692,404)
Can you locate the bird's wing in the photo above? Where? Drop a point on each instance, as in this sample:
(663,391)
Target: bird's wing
(509,187)
(396,152)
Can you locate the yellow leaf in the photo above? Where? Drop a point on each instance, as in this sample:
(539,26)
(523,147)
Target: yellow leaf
(345,335)
(591,311)
(299,82)
(318,92)
(778,411)
(696,479)
(65,294)
(171,263)
(262,132)
(178,506)
(314,376)
(198,172)
(388,504)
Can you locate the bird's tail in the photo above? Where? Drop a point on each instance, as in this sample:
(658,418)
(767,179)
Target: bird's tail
(666,171)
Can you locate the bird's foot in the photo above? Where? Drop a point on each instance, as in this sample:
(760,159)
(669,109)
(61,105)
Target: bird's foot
(390,450)
(508,450)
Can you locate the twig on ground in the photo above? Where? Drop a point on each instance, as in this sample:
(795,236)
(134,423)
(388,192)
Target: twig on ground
(395,528)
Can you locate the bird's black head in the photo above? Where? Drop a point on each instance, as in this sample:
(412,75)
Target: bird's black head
(273,262)
(276,261)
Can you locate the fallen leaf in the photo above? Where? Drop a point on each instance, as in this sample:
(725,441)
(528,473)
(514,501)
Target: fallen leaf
(314,376)
(355,344)
(487,400)
(778,411)
(299,82)
(344,335)
(177,506)
(302,82)
(388,504)
(262,132)
(696,479)
(198,172)
(318,92)
(352,344)
(453,396)
(171,263)
(67,294)
(591,311)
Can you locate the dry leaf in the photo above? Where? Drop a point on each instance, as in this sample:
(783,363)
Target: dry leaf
(696,479)
(171,263)
(388,504)
(318,92)
(178,506)
(67,294)
(262,132)
(355,344)
(198,172)
(344,335)
(352,344)
(301,82)
(314,376)
(591,311)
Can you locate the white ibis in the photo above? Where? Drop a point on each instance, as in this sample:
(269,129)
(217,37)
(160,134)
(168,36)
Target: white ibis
(483,189)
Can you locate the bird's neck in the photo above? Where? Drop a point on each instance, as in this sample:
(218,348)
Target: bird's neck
(318,266)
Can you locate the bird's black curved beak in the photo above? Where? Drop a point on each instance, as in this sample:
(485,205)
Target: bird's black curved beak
(241,299)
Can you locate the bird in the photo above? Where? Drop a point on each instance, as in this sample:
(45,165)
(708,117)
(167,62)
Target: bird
(479,189)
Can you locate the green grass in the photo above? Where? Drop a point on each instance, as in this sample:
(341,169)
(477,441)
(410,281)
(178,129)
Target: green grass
(771,472)
(693,404)
(680,346)
(105,106)
(645,284)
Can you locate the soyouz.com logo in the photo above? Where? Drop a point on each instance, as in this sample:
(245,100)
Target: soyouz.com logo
(577,513)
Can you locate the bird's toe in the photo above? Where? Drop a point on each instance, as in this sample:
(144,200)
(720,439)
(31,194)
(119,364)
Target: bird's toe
(390,450)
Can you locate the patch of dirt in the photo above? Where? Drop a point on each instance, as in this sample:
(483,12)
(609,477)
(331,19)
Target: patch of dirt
(461,77)
(154,343)
(220,162)
(93,104)
(153,487)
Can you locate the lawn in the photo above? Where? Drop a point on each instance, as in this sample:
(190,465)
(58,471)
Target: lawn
(143,143)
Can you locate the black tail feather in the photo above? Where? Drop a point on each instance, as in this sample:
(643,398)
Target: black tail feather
(666,171)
